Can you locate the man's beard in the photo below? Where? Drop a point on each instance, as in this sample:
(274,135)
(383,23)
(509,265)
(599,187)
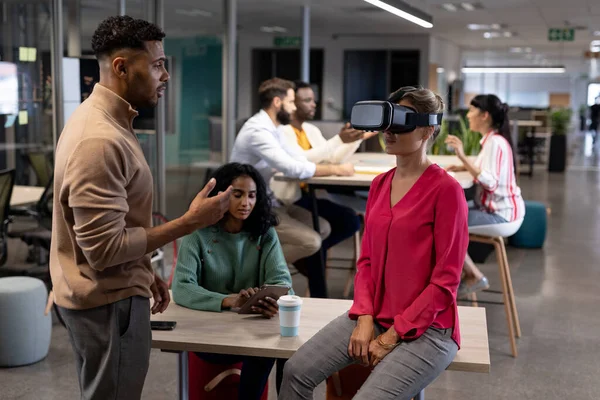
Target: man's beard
(284,117)
(138,95)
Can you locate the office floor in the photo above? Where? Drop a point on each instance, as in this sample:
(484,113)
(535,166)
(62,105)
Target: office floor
(557,297)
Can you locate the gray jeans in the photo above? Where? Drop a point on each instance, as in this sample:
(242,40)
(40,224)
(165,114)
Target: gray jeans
(401,375)
(112,348)
(479,217)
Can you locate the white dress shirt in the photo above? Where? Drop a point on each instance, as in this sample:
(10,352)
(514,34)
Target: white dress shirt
(332,151)
(261,145)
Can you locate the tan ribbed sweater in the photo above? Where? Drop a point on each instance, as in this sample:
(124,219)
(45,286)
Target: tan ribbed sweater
(102,205)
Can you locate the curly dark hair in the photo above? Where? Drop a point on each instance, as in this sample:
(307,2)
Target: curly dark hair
(262,217)
(123,32)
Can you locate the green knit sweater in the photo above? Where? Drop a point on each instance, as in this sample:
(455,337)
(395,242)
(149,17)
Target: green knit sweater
(213,264)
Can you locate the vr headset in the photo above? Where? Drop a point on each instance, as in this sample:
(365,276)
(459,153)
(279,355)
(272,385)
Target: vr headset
(374,115)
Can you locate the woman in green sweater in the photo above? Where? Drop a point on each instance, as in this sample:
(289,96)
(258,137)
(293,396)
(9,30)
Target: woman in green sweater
(220,267)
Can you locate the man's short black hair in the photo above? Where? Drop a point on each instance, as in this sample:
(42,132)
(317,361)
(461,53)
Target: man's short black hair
(302,85)
(123,32)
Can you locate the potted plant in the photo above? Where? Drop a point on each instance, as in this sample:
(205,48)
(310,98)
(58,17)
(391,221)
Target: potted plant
(469,138)
(560,121)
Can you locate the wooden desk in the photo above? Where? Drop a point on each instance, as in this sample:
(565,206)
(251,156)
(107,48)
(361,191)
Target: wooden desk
(367,166)
(231,333)
(25,195)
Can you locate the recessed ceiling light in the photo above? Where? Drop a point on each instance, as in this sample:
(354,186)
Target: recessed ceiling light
(273,29)
(496,34)
(194,13)
(482,27)
(468,6)
(449,7)
(440,70)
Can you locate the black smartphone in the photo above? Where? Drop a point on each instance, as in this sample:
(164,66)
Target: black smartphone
(162,325)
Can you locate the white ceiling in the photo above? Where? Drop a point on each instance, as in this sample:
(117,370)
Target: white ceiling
(528,19)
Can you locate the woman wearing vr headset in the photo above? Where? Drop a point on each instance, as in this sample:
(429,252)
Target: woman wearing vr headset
(498,199)
(404,321)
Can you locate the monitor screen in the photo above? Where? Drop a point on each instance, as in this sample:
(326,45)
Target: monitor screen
(9,89)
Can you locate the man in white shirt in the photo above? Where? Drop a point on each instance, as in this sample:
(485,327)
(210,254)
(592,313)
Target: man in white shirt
(260,144)
(304,137)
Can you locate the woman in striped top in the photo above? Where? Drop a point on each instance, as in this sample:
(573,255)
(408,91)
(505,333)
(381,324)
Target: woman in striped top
(498,198)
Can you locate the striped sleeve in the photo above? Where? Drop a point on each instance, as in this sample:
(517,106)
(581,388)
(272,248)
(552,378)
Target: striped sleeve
(491,163)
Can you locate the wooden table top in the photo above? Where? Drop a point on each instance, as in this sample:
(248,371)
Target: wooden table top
(231,333)
(24,195)
(369,165)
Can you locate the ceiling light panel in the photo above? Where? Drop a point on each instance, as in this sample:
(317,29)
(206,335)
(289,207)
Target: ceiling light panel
(461,6)
(498,34)
(404,10)
(449,7)
(194,13)
(519,50)
(485,27)
(514,70)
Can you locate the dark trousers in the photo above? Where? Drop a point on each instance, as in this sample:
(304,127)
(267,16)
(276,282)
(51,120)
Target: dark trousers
(344,224)
(112,348)
(255,372)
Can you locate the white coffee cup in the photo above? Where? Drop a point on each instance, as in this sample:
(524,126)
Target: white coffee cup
(289,314)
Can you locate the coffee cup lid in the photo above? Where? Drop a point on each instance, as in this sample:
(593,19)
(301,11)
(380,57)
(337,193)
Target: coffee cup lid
(289,301)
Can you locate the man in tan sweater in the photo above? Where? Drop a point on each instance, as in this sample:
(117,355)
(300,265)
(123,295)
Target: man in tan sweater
(102,231)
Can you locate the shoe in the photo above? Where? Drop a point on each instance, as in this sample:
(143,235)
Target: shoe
(465,289)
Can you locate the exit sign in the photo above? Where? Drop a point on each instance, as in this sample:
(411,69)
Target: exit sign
(287,41)
(561,34)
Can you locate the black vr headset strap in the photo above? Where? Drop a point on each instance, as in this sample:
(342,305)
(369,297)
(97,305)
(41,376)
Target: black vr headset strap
(417,119)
